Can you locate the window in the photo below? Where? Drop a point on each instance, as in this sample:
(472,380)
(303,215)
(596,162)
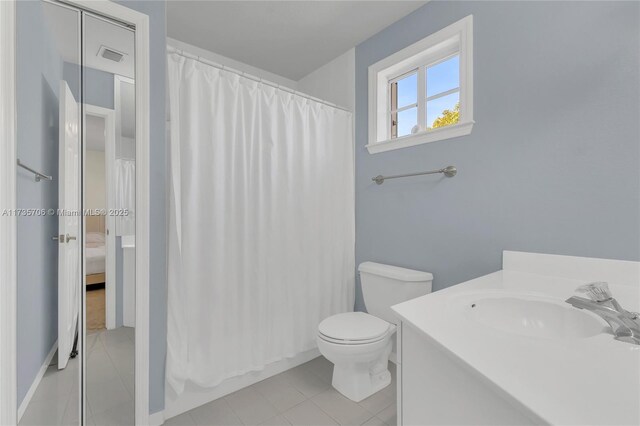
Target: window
(443,93)
(424,92)
(404,105)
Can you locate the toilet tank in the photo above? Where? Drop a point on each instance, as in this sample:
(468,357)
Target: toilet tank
(384,286)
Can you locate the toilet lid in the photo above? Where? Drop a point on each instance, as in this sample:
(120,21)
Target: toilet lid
(353,326)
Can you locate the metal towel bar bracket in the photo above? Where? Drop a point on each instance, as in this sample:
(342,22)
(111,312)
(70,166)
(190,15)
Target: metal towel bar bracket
(449,171)
(38,176)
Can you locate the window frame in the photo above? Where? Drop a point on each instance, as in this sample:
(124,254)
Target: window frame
(456,38)
(394,110)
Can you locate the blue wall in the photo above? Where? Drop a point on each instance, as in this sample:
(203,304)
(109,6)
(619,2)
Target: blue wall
(98,85)
(552,164)
(39,71)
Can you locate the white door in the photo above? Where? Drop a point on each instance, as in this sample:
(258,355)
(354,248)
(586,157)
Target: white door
(69,279)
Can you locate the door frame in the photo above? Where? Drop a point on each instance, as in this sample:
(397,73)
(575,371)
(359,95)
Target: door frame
(8,224)
(126,320)
(8,258)
(108,115)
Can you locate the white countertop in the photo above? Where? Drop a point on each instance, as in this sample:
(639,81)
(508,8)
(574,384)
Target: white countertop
(593,380)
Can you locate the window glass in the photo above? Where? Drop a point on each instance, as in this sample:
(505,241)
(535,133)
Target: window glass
(443,111)
(407,120)
(407,91)
(443,76)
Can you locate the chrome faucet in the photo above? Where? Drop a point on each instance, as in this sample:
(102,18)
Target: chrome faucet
(624,324)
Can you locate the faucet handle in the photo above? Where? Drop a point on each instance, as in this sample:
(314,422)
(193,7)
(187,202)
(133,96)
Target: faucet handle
(597,291)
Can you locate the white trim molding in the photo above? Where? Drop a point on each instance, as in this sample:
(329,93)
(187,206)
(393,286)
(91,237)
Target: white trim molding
(456,39)
(36,382)
(142,220)
(453,131)
(8,248)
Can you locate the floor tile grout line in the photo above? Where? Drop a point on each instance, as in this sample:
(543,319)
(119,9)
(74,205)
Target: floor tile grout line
(279,415)
(300,391)
(259,394)
(282,412)
(118,373)
(66,407)
(229,406)
(294,406)
(336,420)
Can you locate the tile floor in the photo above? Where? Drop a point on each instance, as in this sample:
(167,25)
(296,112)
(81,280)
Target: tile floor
(302,396)
(109,385)
(110,377)
(56,399)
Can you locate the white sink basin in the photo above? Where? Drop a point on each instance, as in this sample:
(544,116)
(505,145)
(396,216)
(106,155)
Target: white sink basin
(533,317)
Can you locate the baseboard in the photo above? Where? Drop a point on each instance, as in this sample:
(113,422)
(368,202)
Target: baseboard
(36,382)
(194,397)
(156,419)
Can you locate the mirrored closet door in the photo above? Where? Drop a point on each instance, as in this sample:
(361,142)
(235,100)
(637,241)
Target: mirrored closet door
(48,180)
(109,200)
(76,217)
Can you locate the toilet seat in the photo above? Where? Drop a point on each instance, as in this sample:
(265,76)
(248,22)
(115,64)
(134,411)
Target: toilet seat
(354,328)
(349,342)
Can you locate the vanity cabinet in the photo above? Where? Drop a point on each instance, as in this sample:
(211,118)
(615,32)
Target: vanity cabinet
(436,388)
(506,349)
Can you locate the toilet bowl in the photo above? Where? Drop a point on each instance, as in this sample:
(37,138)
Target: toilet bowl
(358,343)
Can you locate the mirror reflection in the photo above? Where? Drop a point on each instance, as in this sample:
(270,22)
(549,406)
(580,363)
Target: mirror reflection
(109,188)
(48,243)
(76,255)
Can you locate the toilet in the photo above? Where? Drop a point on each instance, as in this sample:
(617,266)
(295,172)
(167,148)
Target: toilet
(358,343)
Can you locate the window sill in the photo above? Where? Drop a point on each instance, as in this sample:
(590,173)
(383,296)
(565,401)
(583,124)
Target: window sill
(454,131)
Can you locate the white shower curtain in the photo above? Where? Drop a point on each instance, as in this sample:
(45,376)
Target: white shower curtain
(261,226)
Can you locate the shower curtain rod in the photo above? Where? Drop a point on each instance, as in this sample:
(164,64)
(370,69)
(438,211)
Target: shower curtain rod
(252,77)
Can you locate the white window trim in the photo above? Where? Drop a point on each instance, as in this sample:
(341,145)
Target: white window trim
(457,37)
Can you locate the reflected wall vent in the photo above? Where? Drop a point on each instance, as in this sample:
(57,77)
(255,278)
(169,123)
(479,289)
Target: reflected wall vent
(110,54)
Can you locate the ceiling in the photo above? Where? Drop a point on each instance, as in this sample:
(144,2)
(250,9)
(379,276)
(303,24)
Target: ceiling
(288,38)
(100,33)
